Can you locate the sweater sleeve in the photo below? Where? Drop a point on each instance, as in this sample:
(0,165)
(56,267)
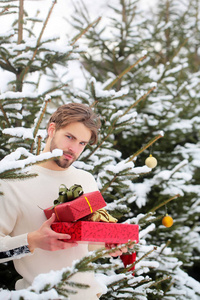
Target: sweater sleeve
(11,247)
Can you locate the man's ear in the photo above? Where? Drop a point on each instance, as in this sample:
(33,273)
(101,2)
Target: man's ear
(51,129)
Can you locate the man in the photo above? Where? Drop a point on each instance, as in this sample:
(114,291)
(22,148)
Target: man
(24,231)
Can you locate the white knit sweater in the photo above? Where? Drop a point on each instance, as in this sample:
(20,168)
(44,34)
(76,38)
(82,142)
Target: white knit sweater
(20,213)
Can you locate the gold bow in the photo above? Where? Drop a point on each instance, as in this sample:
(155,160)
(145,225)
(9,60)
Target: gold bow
(70,194)
(100,215)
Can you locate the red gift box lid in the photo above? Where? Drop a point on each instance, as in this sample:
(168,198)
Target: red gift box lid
(98,231)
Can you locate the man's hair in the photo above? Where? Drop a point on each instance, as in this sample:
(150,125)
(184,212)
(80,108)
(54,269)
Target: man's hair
(76,112)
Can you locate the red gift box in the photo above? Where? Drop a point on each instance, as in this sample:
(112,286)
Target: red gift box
(98,231)
(78,208)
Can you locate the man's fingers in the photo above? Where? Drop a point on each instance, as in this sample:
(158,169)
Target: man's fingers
(124,249)
(65,245)
(116,253)
(51,220)
(131,246)
(56,235)
(62,236)
(55,245)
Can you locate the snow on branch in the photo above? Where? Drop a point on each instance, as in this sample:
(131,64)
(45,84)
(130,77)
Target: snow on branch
(13,161)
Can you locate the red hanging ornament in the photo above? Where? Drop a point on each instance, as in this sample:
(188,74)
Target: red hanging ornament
(129,259)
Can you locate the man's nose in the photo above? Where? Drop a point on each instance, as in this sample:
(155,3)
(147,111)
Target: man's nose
(73,148)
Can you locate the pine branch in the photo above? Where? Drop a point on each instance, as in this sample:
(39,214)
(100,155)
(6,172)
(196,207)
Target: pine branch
(15,162)
(116,176)
(100,144)
(171,60)
(139,100)
(83,265)
(78,36)
(141,258)
(106,186)
(168,287)
(144,219)
(38,145)
(164,203)
(178,167)
(20,21)
(110,85)
(37,125)
(115,283)
(53,89)
(25,71)
(40,117)
(4,10)
(160,281)
(6,65)
(5,115)
(165,246)
(18,176)
(112,128)
(145,147)
(33,23)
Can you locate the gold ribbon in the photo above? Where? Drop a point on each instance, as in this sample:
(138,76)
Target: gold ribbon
(89,204)
(100,215)
(56,213)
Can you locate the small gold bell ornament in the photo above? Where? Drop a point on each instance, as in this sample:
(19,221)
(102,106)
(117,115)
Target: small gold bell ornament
(151,162)
(167,221)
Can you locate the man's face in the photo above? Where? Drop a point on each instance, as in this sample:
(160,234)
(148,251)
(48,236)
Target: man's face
(72,139)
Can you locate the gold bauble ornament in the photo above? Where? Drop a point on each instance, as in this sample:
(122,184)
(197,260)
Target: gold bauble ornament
(167,221)
(151,162)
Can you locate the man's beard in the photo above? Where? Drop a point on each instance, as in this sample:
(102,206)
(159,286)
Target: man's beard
(62,162)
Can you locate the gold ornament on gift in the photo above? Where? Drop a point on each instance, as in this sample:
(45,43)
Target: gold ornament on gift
(151,162)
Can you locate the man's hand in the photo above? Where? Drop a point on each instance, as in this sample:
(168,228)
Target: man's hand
(116,252)
(47,239)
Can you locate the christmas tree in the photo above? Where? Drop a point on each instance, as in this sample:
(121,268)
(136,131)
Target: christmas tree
(140,78)
(171,107)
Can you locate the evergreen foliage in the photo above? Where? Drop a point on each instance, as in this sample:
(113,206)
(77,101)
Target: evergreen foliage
(141,78)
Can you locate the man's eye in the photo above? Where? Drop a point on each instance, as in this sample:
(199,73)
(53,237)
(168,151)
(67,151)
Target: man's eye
(83,143)
(69,137)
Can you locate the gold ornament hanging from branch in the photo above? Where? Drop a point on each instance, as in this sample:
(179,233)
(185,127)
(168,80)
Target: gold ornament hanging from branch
(167,221)
(151,162)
